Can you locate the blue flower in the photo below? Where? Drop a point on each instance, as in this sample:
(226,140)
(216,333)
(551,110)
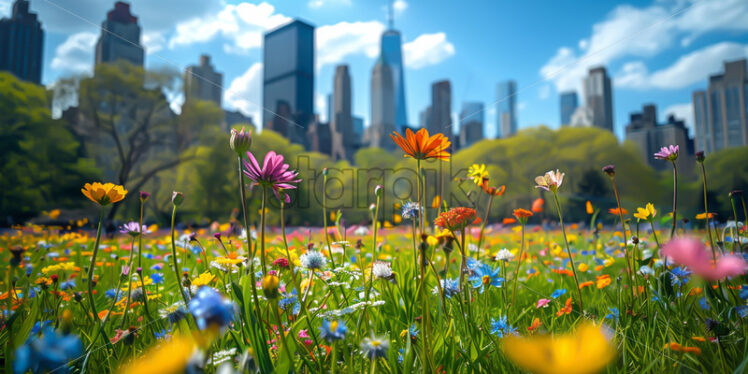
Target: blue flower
(680,275)
(290,304)
(49,352)
(473,264)
(449,286)
(374,347)
(29,269)
(332,330)
(742,310)
(614,314)
(501,327)
(313,260)
(111,293)
(558,293)
(38,327)
(484,277)
(411,210)
(744,291)
(211,308)
(161,335)
(67,285)
(157,267)
(703,303)
(157,278)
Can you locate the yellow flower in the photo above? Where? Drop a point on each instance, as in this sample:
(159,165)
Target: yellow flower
(104,194)
(171,357)
(65,266)
(587,350)
(645,213)
(203,280)
(589,207)
(477,173)
(703,216)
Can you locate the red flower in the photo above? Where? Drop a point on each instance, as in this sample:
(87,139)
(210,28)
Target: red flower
(457,219)
(537,205)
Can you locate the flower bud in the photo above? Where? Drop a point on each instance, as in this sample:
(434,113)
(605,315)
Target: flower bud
(270,285)
(610,170)
(700,156)
(240,141)
(325,172)
(379,190)
(144,196)
(177,198)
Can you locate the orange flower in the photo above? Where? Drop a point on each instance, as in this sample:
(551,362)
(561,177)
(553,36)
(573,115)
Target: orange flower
(586,284)
(104,194)
(535,324)
(421,146)
(508,221)
(495,191)
(436,201)
(522,213)
(566,309)
(617,212)
(457,219)
(537,205)
(603,281)
(589,208)
(704,216)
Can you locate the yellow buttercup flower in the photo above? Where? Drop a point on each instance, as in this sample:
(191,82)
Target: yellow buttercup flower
(645,213)
(477,173)
(203,280)
(587,350)
(104,194)
(171,357)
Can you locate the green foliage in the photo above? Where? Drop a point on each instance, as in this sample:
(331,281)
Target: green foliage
(40,163)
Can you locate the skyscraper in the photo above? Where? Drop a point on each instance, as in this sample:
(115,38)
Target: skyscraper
(392,54)
(598,98)
(568,106)
(288,80)
(341,125)
(120,37)
(471,123)
(21,43)
(506,109)
(203,82)
(644,131)
(382,106)
(440,112)
(721,113)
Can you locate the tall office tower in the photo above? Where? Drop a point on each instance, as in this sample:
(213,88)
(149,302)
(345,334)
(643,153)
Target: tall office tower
(471,123)
(721,113)
(598,98)
(382,106)
(288,80)
(358,126)
(506,109)
(391,49)
(120,37)
(344,142)
(203,82)
(568,106)
(440,111)
(21,43)
(644,131)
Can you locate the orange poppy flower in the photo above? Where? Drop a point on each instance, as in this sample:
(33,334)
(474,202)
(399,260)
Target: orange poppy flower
(617,212)
(535,324)
(421,146)
(508,221)
(537,205)
(566,309)
(522,213)
(104,194)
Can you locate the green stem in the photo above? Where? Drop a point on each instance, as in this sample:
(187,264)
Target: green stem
(373,258)
(140,265)
(706,212)
(675,199)
(568,251)
(324,219)
(129,282)
(174,256)
(629,267)
(519,262)
(262,232)
(485,220)
(91,267)
(244,213)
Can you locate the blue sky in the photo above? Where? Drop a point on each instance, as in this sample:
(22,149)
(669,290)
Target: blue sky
(655,51)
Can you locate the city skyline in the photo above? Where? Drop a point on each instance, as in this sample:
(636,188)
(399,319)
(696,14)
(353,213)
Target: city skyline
(635,77)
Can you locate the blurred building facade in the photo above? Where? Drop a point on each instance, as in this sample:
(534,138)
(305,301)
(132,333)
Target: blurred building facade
(471,124)
(568,103)
(382,106)
(344,141)
(439,117)
(644,131)
(391,47)
(720,112)
(598,98)
(288,80)
(22,43)
(203,82)
(120,37)
(506,108)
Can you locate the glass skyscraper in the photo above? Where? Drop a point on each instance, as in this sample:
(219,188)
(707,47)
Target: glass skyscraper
(506,112)
(569,104)
(120,37)
(392,54)
(21,43)
(288,80)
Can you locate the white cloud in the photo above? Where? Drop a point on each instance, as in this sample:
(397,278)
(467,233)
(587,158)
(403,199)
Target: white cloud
(243,24)
(642,32)
(687,70)
(544,91)
(427,49)
(321,3)
(245,92)
(399,6)
(153,42)
(75,54)
(4,8)
(335,42)
(684,112)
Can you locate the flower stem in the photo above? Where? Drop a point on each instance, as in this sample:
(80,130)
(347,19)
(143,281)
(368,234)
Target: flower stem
(140,264)
(519,262)
(129,282)
(485,220)
(91,267)
(324,218)
(371,271)
(174,256)
(568,251)
(629,267)
(246,218)
(675,199)
(262,231)
(706,212)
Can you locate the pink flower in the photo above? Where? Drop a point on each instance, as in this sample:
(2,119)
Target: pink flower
(542,303)
(550,181)
(303,334)
(273,173)
(693,254)
(669,153)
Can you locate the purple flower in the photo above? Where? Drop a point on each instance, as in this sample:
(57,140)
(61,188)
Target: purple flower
(669,153)
(133,229)
(273,173)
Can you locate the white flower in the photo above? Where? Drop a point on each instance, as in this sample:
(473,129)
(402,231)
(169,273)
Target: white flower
(313,260)
(504,255)
(551,181)
(361,231)
(381,270)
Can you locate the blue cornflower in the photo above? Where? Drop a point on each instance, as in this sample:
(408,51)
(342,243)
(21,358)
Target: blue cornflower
(38,327)
(703,303)
(49,352)
(290,304)
(162,334)
(614,314)
(374,347)
(742,310)
(111,293)
(157,278)
(473,264)
(332,330)
(680,275)
(400,357)
(449,286)
(29,269)
(744,291)
(211,308)
(157,267)
(558,293)
(411,210)
(501,327)
(67,285)
(484,277)
(313,260)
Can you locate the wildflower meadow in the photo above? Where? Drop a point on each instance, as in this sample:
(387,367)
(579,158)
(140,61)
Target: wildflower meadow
(439,287)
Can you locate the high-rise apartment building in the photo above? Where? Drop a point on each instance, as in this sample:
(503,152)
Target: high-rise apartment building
(120,37)
(22,43)
(382,106)
(471,124)
(598,98)
(440,111)
(344,142)
(203,82)
(644,131)
(506,109)
(568,106)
